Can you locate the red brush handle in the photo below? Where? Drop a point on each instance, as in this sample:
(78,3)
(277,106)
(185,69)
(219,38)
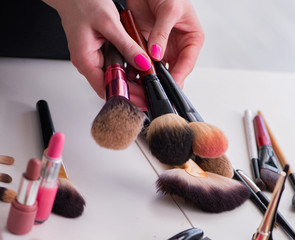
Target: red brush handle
(262,137)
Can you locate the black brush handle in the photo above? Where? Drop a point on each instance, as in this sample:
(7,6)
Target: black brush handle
(45,121)
(189,234)
(181,103)
(157,100)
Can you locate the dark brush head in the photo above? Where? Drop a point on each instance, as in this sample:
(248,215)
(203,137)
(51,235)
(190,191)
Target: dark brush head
(209,141)
(221,165)
(213,194)
(117,124)
(7,195)
(269,178)
(170,139)
(258,181)
(68,201)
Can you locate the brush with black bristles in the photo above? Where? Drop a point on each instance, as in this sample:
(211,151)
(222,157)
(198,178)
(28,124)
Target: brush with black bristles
(169,135)
(7,195)
(68,201)
(119,121)
(209,142)
(206,190)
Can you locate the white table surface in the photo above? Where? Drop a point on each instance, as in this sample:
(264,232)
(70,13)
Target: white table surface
(119,186)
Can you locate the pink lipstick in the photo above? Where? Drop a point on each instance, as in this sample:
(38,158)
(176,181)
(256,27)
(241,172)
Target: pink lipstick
(24,207)
(51,163)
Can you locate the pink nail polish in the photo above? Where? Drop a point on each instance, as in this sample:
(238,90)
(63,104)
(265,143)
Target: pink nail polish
(142,62)
(157,52)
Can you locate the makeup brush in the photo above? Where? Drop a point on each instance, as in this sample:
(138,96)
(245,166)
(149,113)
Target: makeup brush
(209,141)
(6,178)
(262,201)
(7,195)
(252,148)
(189,234)
(68,201)
(208,191)
(216,143)
(264,230)
(280,156)
(119,121)
(7,160)
(169,135)
(269,169)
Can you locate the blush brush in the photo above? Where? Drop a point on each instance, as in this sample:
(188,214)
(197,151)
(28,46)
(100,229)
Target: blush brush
(120,121)
(68,201)
(169,135)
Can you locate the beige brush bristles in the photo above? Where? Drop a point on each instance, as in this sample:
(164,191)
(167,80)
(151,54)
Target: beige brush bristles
(7,195)
(7,160)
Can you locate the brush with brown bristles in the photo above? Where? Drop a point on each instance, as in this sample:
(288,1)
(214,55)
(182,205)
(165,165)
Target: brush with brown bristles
(7,195)
(7,160)
(120,121)
(68,201)
(169,135)
(208,191)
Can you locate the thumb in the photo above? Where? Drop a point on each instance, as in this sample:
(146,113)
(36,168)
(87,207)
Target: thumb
(166,17)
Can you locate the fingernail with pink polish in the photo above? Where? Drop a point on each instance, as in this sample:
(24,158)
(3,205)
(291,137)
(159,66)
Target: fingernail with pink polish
(157,52)
(142,62)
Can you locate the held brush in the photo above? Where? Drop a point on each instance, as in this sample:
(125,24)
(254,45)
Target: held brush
(281,157)
(207,138)
(169,135)
(119,121)
(269,169)
(68,201)
(264,231)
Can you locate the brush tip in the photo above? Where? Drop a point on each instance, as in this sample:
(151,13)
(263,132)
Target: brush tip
(269,178)
(170,139)
(209,141)
(7,195)
(69,202)
(259,182)
(118,123)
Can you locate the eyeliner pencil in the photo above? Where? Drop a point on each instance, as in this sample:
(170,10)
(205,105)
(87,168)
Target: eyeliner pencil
(262,201)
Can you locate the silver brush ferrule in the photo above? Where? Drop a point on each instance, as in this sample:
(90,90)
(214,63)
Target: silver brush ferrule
(27,191)
(50,170)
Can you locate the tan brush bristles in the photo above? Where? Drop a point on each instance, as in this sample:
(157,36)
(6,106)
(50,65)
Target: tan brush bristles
(7,195)
(6,160)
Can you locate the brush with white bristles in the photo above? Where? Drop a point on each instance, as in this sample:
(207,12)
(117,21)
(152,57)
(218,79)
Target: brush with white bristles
(68,201)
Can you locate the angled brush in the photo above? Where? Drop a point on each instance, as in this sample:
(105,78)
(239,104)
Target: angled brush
(208,191)
(209,141)
(7,195)
(68,201)
(268,165)
(169,135)
(119,121)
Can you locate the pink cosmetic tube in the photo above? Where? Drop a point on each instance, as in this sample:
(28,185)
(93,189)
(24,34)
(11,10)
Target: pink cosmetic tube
(51,163)
(23,208)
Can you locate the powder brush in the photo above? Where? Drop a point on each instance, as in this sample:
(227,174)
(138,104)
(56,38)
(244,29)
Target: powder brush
(68,201)
(206,190)
(7,195)
(119,121)
(169,135)
(209,141)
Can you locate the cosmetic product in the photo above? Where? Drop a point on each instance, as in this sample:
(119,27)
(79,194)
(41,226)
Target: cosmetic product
(264,231)
(169,135)
(7,195)
(119,122)
(51,163)
(6,178)
(189,234)
(24,207)
(252,148)
(68,201)
(280,156)
(262,201)
(268,165)
(7,160)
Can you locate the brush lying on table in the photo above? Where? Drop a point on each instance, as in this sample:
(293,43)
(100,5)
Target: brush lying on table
(68,201)
(7,160)
(169,135)
(119,121)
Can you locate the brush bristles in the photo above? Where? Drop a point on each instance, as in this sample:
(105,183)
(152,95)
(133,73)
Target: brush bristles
(209,141)
(221,165)
(170,139)
(6,160)
(68,201)
(213,194)
(118,123)
(7,195)
(5,178)
(269,178)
